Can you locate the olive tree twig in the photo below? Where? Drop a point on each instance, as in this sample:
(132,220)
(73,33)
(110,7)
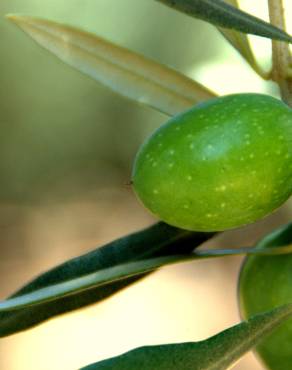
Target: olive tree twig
(280,53)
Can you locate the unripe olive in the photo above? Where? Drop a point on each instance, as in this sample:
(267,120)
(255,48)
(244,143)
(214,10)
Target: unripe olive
(222,164)
(265,283)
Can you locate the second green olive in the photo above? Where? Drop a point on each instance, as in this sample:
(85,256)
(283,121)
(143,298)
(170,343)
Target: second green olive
(265,283)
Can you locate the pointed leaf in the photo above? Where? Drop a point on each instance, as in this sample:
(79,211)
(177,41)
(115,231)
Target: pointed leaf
(216,353)
(122,70)
(155,241)
(219,13)
(120,272)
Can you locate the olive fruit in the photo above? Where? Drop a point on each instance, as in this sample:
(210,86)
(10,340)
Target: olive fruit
(220,165)
(266,282)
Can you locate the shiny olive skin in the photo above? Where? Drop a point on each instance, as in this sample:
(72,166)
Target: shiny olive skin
(266,282)
(223,164)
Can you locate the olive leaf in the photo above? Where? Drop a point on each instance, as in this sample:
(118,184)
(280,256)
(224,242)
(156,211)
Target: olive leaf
(155,241)
(277,238)
(216,353)
(241,43)
(222,14)
(127,73)
(122,271)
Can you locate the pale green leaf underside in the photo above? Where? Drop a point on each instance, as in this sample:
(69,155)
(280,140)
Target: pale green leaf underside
(216,353)
(122,70)
(241,43)
(222,14)
(120,272)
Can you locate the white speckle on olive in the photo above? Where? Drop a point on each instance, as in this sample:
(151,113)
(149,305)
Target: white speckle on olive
(221,188)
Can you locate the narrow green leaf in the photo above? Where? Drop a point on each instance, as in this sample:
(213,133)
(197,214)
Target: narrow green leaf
(241,43)
(122,70)
(155,241)
(222,14)
(216,353)
(123,271)
(253,251)
(277,238)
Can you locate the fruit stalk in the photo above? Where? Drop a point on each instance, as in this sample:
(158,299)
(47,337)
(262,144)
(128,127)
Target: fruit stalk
(280,53)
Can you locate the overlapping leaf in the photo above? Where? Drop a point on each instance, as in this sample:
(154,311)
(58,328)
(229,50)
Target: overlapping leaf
(222,14)
(122,70)
(55,298)
(216,353)
(155,241)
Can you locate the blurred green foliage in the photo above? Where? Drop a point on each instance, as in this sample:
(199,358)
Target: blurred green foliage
(63,134)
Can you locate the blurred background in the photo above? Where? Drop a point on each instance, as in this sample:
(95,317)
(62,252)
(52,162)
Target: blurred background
(67,146)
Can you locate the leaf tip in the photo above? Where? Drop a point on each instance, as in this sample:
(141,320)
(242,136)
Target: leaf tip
(14,17)
(20,19)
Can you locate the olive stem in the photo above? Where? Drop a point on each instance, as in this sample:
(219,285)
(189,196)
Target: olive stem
(281,56)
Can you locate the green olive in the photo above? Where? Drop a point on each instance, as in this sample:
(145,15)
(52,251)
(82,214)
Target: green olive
(223,164)
(265,283)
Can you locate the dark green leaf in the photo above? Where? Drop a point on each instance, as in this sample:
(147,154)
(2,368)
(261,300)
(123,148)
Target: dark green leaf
(119,272)
(219,13)
(277,238)
(216,353)
(155,241)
